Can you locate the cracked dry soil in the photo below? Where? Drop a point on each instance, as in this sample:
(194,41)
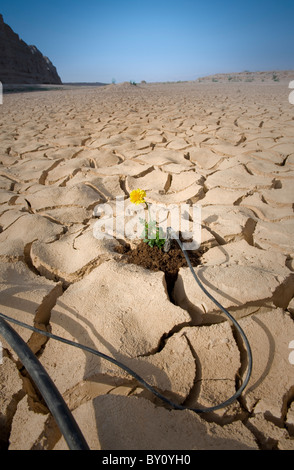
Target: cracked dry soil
(69,150)
(156,259)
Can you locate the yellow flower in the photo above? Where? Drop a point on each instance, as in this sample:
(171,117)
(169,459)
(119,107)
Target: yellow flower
(137,196)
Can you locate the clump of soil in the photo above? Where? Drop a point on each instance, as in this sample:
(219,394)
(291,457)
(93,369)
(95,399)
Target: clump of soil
(156,259)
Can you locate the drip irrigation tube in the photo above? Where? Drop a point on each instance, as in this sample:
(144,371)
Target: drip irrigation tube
(237,326)
(51,395)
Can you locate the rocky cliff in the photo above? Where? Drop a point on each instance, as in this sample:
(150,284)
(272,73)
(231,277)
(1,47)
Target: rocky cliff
(20,63)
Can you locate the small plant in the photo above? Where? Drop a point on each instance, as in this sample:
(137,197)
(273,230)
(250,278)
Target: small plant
(152,234)
(275,78)
(133,83)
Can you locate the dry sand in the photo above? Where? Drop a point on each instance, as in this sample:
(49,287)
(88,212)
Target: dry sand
(228,145)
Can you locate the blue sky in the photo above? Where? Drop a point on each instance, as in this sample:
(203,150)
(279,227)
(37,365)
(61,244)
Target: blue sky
(155,40)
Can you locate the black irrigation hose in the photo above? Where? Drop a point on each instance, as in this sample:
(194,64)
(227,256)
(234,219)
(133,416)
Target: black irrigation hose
(134,374)
(237,326)
(51,395)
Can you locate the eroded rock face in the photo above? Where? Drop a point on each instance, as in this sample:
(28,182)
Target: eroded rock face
(20,63)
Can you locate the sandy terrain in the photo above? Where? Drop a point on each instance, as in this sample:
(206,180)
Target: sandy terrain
(226,145)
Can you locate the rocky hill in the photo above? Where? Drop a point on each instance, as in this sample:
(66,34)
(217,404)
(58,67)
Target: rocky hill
(21,63)
(247,76)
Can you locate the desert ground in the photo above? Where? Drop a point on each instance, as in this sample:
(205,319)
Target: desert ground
(224,144)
